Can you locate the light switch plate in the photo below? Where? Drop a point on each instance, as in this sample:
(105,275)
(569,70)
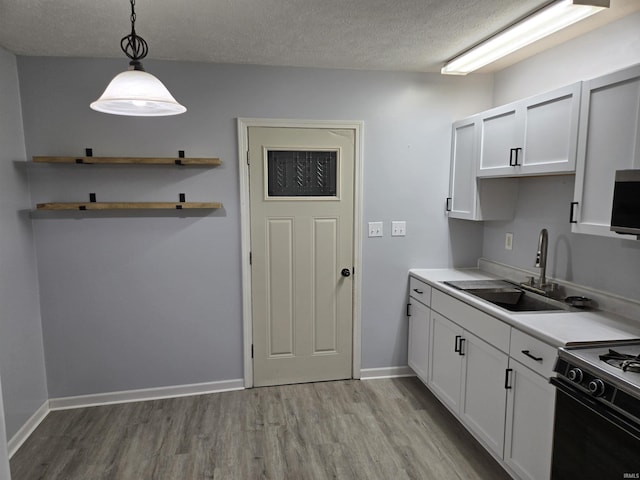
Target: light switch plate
(375,229)
(508,241)
(398,228)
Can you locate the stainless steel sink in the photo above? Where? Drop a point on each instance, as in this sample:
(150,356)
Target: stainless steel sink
(509,296)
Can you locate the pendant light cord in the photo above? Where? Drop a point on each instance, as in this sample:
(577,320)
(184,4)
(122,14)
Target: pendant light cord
(134,46)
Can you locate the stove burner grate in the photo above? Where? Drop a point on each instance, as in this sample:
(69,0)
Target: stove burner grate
(626,362)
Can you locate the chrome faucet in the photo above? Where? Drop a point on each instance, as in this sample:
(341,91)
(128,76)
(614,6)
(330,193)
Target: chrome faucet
(540,285)
(541,257)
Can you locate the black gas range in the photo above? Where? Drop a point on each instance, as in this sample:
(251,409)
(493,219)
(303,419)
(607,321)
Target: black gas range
(597,422)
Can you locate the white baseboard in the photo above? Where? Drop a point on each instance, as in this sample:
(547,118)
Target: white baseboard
(80,401)
(64,403)
(387,372)
(27,429)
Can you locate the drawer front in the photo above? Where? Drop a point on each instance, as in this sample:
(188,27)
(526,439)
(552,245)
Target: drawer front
(488,328)
(420,291)
(535,354)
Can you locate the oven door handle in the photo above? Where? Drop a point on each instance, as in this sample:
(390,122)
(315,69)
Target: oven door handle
(589,402)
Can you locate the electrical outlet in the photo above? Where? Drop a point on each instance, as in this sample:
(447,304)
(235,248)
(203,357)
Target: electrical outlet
(375,229)
(398,229)
(508,241)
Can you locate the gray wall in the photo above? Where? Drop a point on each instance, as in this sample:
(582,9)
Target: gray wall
(607,264)
(609,48)
(21,352)
(152,300)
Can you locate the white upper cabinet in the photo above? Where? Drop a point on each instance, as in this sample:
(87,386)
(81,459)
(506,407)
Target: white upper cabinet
(462,187)
(470,198)
(535,136)
(500,136)
(609,140)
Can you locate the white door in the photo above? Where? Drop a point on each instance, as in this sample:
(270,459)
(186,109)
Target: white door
(302,209)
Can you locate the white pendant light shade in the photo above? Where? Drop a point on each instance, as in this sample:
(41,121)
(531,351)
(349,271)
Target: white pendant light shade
(139,94)
(135,92)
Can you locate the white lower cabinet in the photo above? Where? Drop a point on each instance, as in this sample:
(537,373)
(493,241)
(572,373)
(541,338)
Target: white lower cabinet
(529,425)
(483,398)
(467,375)
(418,352)
(419,315)
(470,360)
(446,362)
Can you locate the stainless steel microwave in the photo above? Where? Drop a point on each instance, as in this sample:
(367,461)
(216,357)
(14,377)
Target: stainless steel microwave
(625,213)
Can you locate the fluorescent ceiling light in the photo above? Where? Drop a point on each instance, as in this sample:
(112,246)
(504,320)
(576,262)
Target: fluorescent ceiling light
(543,22)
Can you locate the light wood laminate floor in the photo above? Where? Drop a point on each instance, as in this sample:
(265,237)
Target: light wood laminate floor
(384,429)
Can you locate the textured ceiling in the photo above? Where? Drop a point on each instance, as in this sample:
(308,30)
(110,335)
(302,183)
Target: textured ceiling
(397,35)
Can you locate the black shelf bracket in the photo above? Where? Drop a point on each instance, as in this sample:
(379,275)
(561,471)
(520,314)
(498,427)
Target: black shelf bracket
(182,198)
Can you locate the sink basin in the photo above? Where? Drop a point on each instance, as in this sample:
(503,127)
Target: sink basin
(508,295)
(517,300)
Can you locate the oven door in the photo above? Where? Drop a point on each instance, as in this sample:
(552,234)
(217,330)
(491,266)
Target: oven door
(591,440)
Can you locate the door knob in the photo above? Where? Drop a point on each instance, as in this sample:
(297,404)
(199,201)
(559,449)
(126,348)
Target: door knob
(345,272)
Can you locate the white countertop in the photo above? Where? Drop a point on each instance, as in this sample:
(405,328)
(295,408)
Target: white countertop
(555,328)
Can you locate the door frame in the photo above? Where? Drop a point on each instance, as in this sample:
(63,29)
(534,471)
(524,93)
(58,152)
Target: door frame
(245,229)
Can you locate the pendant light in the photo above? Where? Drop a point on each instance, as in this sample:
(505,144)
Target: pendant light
(135,92)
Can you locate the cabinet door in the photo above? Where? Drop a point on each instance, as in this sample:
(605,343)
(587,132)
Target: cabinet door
(462,181)
(529,425)
(418,346)
(534,136)
(470,199)
(483,398)
(608,140)
(551,132)
(500,132)
(445,366)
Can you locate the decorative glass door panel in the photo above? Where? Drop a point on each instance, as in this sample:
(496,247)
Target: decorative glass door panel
(302,173)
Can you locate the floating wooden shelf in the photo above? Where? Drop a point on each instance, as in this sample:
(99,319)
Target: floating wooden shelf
(128,205)
(211,162)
